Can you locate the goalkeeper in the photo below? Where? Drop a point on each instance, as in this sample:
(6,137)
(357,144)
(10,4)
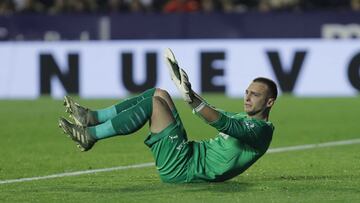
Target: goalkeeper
(242,139)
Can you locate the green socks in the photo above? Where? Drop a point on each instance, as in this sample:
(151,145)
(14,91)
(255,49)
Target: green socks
(103,115)
(126,121)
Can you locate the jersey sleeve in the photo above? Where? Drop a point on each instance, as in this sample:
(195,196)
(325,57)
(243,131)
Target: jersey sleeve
(250,131)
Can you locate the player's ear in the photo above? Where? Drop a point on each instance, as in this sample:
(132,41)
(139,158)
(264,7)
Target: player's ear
(270,102)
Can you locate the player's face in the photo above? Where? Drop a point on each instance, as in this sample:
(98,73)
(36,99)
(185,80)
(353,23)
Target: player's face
(256,98)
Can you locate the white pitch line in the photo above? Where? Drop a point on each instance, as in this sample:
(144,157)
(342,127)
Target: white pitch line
(75,173)
(144,165)
(311,146)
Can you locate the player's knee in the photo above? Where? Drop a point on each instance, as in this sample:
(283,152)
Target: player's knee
(161,93)
(158,102)
(162,113)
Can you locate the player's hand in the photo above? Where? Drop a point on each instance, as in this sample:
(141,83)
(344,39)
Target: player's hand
(178,76)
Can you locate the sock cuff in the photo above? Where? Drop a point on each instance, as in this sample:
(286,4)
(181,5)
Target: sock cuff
(104,114)
(102,131)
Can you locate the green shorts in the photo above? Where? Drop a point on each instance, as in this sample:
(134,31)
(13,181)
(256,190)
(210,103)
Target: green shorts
(172,153)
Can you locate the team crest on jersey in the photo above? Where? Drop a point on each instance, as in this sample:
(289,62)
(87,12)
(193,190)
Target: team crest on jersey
(249,124)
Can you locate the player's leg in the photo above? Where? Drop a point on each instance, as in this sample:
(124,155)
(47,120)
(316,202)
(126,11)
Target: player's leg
(105,114)
(160,109)
(133,118)
(167,98)
(87,117)
(168,142)
(162,116)
(126,122)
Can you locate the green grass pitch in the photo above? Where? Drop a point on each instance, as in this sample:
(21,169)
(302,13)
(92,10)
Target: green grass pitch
(32,145)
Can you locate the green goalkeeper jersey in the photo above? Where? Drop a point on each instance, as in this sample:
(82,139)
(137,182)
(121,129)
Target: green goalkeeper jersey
(240,142)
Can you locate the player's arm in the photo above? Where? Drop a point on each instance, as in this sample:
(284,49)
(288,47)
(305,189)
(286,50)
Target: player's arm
(252,132)
(218,119)
(181,81)
(215,118)
(201,108)
(246,131)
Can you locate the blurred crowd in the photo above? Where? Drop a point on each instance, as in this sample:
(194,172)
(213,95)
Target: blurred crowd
(53,7)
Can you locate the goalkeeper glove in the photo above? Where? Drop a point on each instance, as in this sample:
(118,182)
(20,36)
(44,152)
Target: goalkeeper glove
(178,76)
